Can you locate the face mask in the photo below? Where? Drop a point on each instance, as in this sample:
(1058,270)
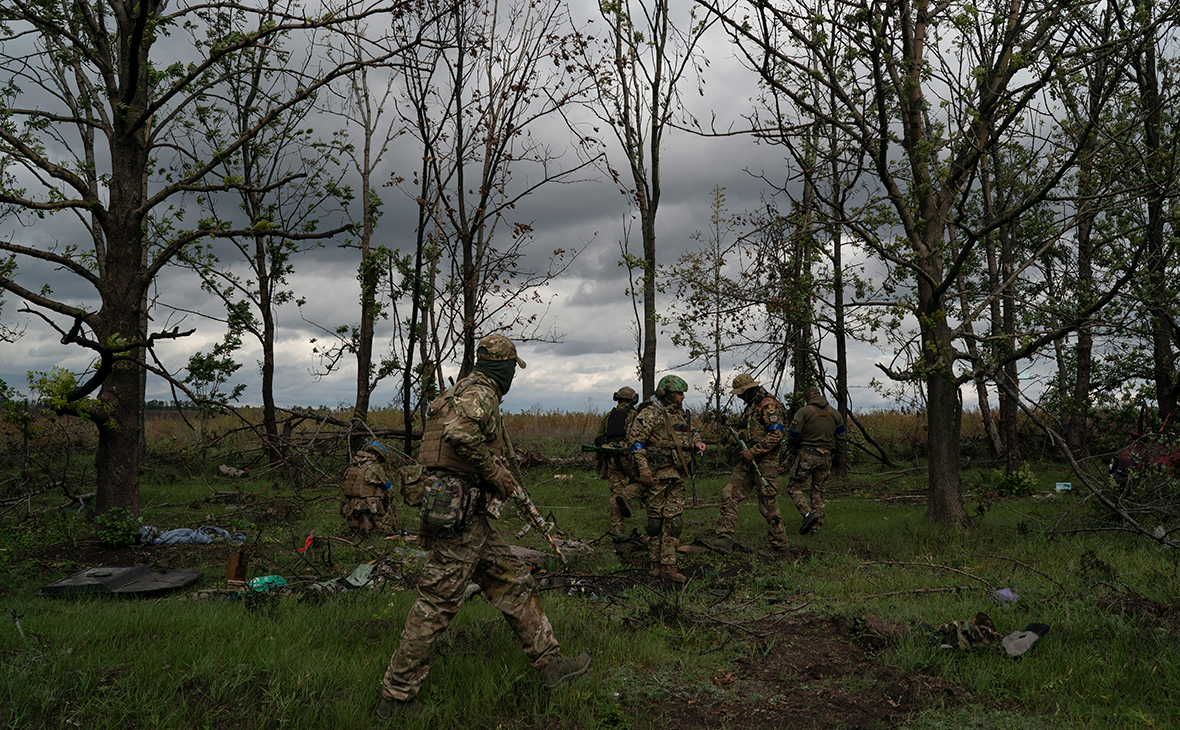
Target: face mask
(501,371)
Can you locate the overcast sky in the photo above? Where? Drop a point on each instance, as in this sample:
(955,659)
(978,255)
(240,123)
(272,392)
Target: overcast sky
(589,309)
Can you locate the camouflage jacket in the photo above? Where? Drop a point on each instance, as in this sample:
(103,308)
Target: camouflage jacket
(818,425)
(476,431)
(763,424)
(653,443)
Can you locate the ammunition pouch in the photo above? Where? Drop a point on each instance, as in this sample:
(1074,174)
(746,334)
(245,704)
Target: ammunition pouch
(411,483)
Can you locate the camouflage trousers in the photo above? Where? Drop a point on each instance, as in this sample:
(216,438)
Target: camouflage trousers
(817,468)
(665,505)
(741,482)
(366,514)
(476,554)
(620,486)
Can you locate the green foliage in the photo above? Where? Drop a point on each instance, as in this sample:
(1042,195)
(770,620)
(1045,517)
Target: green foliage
(117,528)
(1019,483)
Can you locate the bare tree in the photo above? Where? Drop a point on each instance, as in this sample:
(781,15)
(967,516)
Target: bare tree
(97,100)
(645,60)
(925,96)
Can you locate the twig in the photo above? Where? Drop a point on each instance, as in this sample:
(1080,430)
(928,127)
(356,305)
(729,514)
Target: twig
(1029,567)
(931,565)
(940,589)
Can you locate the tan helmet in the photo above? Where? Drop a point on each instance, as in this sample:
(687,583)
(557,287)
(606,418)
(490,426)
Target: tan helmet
(812,392)
(626,393)
(742,383)
(496,348)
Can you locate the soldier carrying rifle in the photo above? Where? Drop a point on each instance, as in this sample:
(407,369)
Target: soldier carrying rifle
(463,451)
(817,436)
(616,468)
(760,440)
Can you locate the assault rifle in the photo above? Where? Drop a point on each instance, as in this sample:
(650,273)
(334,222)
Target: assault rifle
(528,512)
(753,462)
(608,450)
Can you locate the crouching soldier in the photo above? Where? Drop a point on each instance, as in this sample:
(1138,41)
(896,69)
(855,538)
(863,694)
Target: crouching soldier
(464,449)
(366,506)
(661,443)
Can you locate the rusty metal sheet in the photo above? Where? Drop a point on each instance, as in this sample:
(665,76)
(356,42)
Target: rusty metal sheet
(121,579)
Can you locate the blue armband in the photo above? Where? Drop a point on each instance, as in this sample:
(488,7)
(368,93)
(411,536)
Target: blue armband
(637,446)
(840,429)
(775,427)
(387,486)
(792,434)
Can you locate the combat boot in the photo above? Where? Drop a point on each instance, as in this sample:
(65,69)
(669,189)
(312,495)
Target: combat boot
(388,708)
(719,544)
(624,507)
(671,573)
(563,668)
(809,522)
(773,553)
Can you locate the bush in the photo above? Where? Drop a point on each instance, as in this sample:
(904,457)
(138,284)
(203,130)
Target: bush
(1019,483)
(118,528)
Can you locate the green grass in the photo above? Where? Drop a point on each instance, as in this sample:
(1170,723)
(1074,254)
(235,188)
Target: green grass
(291,663)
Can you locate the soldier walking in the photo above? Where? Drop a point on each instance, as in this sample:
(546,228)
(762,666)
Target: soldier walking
(615,469)
(816,435)
(758,470)
(464,446)
(661,443)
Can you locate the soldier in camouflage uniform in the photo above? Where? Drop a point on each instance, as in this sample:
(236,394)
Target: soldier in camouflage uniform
(817,436)
(464,442)
(661,443)
(617,470)
(366,505)
(762,433)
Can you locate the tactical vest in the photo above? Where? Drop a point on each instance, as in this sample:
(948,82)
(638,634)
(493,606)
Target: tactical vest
(434,452)
(616,426)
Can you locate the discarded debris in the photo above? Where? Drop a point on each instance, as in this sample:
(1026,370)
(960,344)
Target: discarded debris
(123,579)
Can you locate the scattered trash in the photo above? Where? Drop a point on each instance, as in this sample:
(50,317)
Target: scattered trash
(362,577)
(1063,486)
(203,535)
(226,470)
(264,583)
(1006,595)
(964,635)
(1018,642)
(123,579)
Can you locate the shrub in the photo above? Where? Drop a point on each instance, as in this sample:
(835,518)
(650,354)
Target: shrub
(118,528)
(1019,483)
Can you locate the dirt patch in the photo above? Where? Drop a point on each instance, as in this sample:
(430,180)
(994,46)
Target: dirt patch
(808,674)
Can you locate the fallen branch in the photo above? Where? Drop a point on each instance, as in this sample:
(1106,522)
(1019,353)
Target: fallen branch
(940,589)
(932,565)
(1028,567)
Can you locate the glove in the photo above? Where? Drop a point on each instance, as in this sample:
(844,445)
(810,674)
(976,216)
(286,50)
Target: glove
(502,479)
(748,455)
(645,477)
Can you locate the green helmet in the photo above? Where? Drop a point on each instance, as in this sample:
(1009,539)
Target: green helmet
(672,384)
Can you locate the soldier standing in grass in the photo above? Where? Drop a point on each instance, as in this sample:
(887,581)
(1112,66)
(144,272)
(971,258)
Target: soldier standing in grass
(366,505)
(617,470)
(464,445)
(762,434)
(661,443)
(816,435)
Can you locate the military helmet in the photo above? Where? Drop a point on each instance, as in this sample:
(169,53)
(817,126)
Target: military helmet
(497,348)
(672,384)
(742,383)
(375,448)
(626,393)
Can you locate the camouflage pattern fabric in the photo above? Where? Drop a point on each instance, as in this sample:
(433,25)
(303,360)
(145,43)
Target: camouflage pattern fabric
(818,430)
(476,554)
(619,474)
(817,468)
(741,482)
(653,446)
(763,435)
(366,505)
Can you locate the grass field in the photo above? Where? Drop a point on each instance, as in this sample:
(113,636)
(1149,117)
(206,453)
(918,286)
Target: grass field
(839,635)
